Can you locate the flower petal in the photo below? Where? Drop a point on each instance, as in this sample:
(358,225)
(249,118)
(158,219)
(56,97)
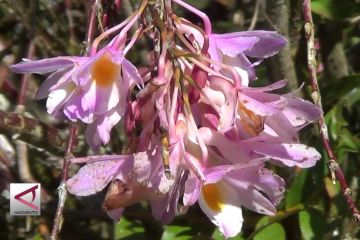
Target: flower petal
(268,45)
(98,131)
(115,214)
(131,74)
(221,205)
(301,112)
(51,81)
(56,99)
(228,109)
(192,190)
(94,177)
(45,65)
(290,154)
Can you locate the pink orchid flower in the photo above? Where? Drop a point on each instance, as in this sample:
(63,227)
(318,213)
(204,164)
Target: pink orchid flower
(92,89)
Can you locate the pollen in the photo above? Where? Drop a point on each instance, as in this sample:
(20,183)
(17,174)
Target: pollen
(104,71)
(213,197)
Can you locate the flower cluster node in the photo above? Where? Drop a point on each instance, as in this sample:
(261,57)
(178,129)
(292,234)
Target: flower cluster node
(198,131)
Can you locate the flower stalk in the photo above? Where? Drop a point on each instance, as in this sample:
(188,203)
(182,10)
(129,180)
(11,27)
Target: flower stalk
(334,168)
(62,191)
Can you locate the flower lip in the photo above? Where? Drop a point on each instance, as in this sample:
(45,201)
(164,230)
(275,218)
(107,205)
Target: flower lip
(212,196)
(104,71)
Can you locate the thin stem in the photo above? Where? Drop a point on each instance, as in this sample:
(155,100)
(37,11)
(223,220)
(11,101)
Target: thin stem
(231,69)
(203,16)
(134,38)
(21,146)
(209,70)
(335,170)
(255,16)
(58,221)
(91,26)
(107,33)
(25,79)
(133,20)
(192,124)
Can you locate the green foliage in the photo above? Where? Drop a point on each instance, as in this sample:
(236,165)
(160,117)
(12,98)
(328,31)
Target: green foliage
(295,193)
(272,231)
(312,224)
(217,235)
(335,10)
(129,230)
(176,232)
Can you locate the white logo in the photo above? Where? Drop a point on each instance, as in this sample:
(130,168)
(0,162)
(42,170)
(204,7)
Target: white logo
(25,199)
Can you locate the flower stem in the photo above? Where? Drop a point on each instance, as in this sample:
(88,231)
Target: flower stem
(91,26)
(334,168)
(203,16)
(59,219)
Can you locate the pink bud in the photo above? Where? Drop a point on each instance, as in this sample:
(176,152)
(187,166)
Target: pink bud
(200,76)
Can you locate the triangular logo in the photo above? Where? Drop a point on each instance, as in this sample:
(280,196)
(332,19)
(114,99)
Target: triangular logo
(29,204)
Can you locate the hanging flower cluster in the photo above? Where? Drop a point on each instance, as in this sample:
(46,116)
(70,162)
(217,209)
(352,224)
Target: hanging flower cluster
(197,131)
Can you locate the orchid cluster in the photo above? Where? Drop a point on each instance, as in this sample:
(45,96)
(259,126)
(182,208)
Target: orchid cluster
(197,131)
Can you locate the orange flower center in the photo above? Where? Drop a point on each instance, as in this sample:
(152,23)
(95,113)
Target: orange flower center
(212,196)
(253,124)
(104,72)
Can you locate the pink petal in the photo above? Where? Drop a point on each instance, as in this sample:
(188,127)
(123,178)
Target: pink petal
(192,190)
(45,65)
(115,214)
(50,82)
(228,109)
(290,154)
(301,112)
(232,44)
(131,74)
(95,176)
(269,43)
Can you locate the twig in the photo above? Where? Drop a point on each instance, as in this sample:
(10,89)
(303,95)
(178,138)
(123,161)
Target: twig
(334,168)
(25,80)
(21,146)
(68,151)
(62,187)
(255,16)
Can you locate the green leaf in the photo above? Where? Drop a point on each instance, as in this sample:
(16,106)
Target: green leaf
(38,237)
(312,224)
(331,188)
(129,230)
(323,8)
(349,141)
(334,9)
(295,193)
(273,231)
(217,235)
(176,232)
(340,88)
